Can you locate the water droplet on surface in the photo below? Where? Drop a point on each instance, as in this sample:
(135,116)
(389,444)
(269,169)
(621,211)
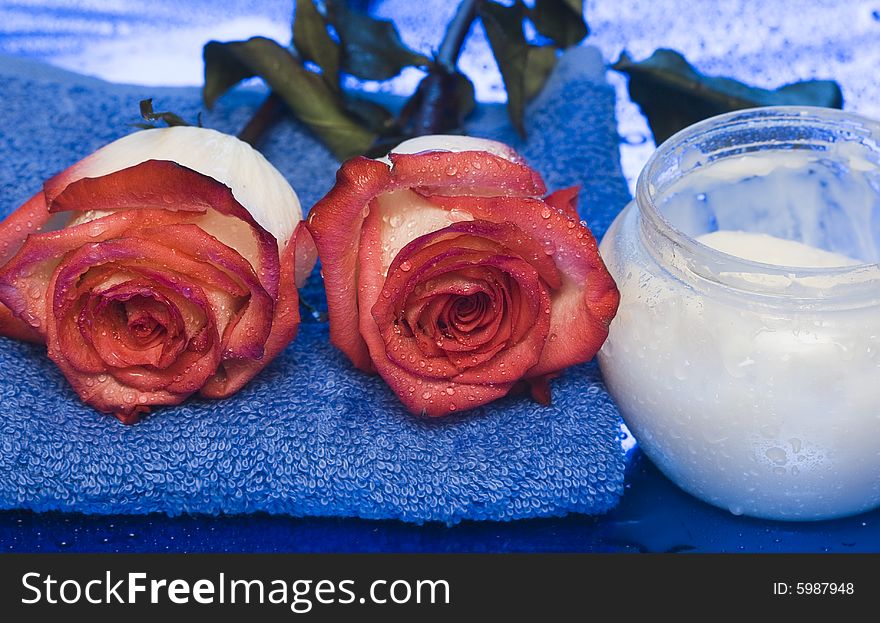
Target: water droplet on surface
(546,212)
(395,220)
(450,391)
(426,395)
(405,266)
(777,455)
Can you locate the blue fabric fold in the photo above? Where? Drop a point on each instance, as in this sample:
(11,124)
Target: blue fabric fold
(310,436)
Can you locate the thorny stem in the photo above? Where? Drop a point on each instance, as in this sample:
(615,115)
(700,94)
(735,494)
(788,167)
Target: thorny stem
(273,107)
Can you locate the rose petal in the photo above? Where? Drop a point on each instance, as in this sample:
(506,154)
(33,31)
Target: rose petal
(565,200)
(582,308)
(256,184)
(335,223)
(168,186)
(465,172)
(234,373)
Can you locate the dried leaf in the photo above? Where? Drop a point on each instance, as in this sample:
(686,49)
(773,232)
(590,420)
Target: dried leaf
(371,48)
(440,103)
(314,43)
(560,20)
(673,95)
(171,119)
(523,67)
(371,115)
(305,93)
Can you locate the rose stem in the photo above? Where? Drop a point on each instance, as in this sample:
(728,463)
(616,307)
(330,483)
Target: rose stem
(431,110)
(271,109)
(456,32)
(266,116)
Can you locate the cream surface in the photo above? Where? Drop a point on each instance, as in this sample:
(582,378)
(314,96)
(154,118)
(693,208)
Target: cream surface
(772,250)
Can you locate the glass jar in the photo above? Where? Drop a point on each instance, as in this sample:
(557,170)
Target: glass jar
(754,386)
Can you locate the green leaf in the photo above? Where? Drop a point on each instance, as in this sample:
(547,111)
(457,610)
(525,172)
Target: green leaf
(540,62)
(304,92)
(673,95)
(371,48)
(171,119)
(560,20)
(523,67)
(314,43)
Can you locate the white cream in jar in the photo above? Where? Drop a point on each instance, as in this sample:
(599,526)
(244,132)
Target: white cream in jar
(745,356)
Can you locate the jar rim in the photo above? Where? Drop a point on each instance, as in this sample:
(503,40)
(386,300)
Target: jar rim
(815,116)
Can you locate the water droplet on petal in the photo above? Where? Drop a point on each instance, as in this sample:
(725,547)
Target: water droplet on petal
(426,395)
(405,266)
(546,212)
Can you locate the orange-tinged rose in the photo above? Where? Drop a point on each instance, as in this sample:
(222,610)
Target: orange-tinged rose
(160,266)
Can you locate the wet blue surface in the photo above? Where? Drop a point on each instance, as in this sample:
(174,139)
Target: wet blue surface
(654,516)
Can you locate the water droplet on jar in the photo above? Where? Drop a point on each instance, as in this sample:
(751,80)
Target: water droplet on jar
(546,212)
(405,266)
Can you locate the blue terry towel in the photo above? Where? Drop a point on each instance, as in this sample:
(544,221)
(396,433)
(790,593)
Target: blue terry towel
(310,435)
